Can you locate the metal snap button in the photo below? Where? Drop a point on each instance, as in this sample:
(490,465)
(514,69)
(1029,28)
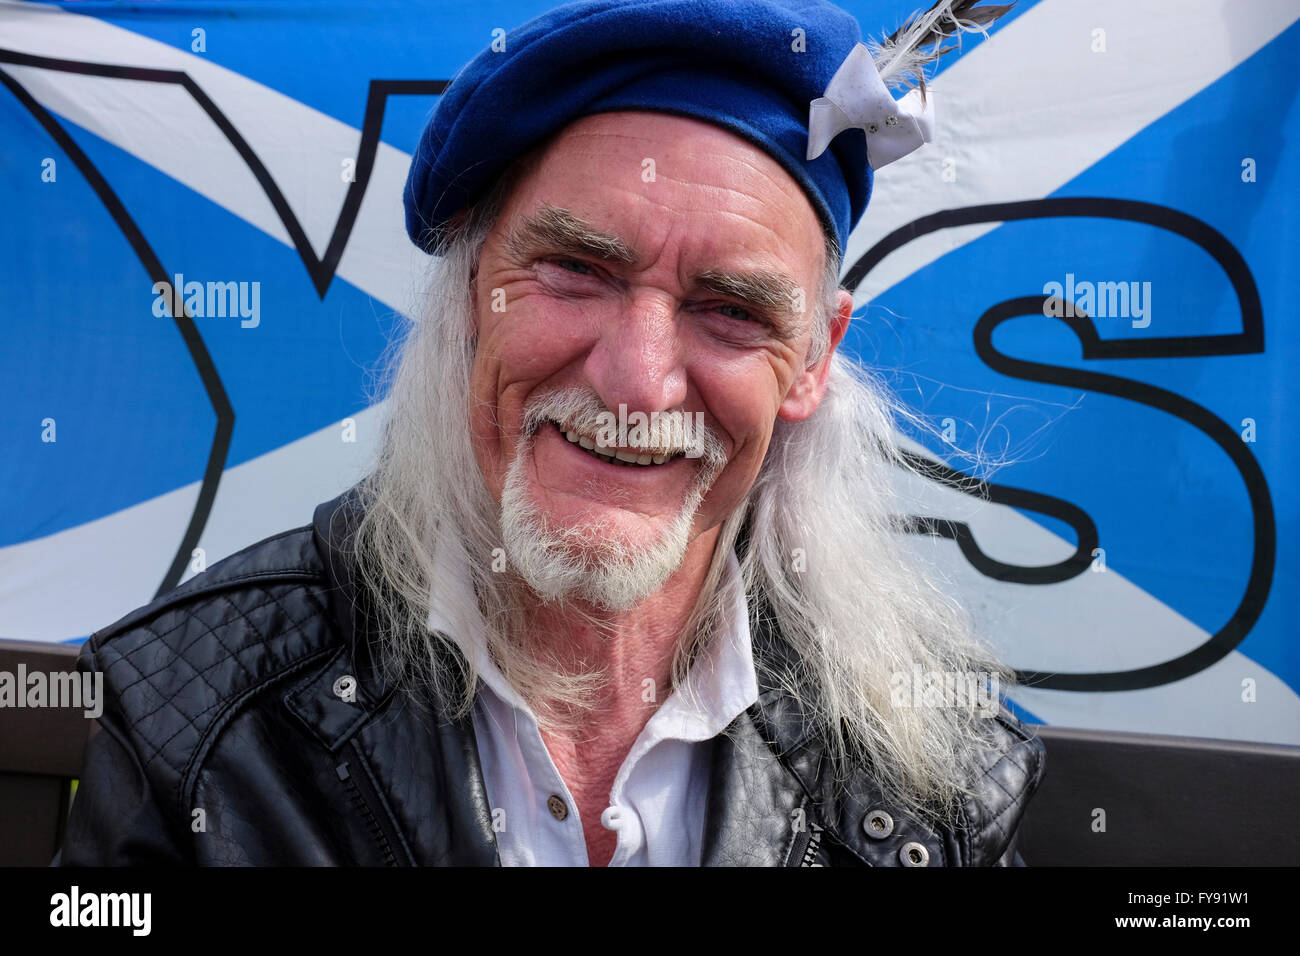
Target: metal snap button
(878,824)
(345,688)
(873,127)
(891,120)
(557,807)
(914,854)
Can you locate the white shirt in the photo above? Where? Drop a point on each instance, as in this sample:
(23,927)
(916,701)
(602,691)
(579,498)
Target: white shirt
(657,802)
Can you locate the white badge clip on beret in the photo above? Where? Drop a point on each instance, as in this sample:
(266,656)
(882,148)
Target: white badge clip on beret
(857,96)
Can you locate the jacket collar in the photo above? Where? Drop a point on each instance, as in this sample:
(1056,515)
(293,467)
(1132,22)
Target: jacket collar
(771,780)
(795,754)
(325,703)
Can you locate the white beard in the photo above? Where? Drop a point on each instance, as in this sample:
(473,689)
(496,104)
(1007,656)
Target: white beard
(586,561)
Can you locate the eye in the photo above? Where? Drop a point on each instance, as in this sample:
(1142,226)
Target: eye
(576,266)
(736,312)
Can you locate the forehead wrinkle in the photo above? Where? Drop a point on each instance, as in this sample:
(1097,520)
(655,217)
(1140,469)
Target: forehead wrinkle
(757,162)
(787,188)
(642,198)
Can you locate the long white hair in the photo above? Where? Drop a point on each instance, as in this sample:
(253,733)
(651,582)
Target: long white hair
(826,552)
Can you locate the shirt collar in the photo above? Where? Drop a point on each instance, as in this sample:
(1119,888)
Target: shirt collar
(721,684)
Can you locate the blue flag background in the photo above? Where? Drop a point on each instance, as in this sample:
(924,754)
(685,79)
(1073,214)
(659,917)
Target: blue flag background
(1084,284)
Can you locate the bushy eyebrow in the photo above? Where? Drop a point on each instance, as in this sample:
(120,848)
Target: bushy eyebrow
(558,230)
(774,294)
(554,230)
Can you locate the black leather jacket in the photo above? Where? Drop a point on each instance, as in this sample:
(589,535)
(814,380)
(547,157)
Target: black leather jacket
(224,741)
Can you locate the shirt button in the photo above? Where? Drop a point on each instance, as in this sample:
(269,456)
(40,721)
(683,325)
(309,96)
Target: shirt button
(558,808)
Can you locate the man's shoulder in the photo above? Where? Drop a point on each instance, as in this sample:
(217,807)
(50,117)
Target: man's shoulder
(1010,770)
(177,668)
(251,586)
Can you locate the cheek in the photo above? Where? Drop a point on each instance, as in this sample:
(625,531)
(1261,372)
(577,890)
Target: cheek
(533,335)
(742,396)
(527,340)
(484,429)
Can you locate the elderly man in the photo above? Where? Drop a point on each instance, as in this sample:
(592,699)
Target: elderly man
(625,585)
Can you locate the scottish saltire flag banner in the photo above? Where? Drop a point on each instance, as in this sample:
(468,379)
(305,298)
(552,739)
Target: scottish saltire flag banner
(1085,285)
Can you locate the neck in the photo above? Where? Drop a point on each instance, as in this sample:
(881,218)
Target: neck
(629,647)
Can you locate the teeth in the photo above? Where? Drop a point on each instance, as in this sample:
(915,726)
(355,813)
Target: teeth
(614,457)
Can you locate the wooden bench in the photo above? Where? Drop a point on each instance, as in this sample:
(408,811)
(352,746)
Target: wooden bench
(40,755)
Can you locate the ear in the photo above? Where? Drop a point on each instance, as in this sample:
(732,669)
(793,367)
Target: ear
(808,389)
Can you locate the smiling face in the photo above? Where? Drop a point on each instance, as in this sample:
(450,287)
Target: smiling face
(686,286)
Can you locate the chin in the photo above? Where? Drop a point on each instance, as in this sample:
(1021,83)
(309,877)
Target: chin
(601,556)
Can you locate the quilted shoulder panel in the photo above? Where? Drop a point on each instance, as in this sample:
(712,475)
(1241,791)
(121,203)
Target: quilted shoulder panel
(177,668)
(1012,772)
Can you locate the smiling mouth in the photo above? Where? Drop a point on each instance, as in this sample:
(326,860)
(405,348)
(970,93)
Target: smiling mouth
(613,456)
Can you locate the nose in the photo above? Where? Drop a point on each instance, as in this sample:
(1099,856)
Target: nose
(637,360)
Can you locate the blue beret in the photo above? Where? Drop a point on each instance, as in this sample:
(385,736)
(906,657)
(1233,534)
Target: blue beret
(734,63)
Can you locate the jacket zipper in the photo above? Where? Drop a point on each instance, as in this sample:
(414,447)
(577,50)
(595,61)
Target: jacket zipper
(365,799)
(814,844)
(806,845)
